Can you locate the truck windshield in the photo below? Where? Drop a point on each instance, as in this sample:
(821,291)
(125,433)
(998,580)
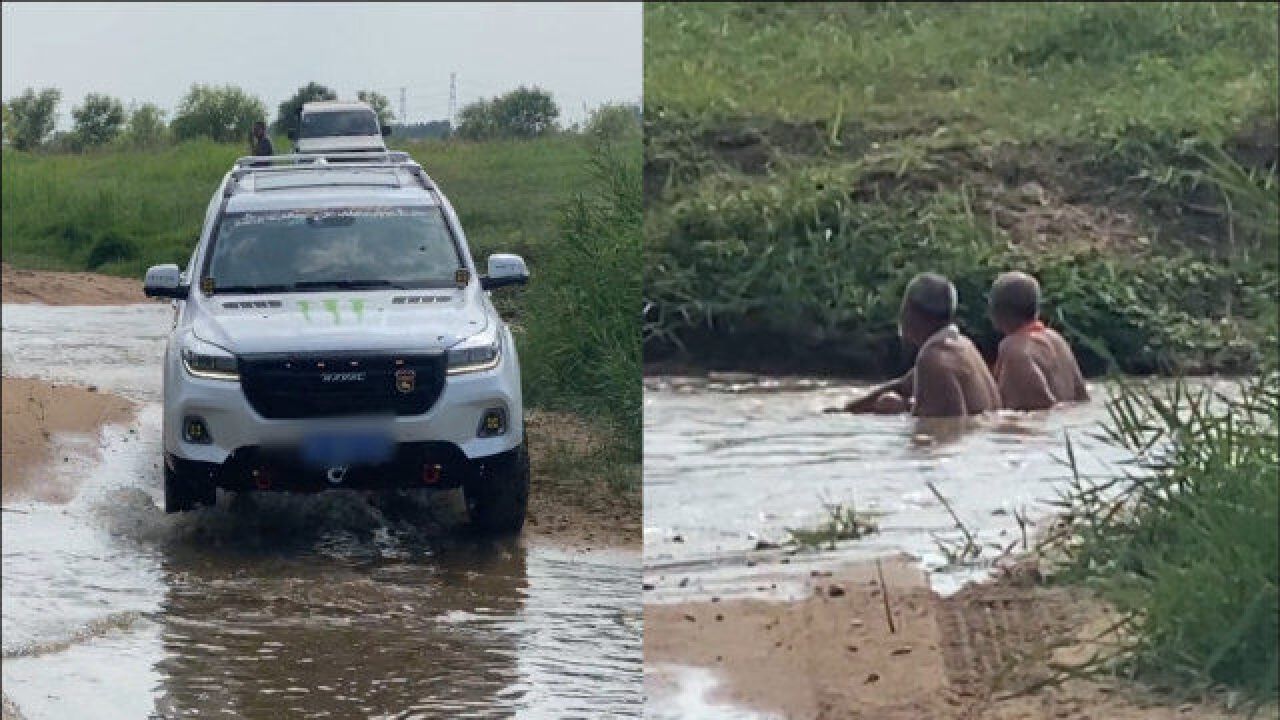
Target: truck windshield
(337,123)
(336,248)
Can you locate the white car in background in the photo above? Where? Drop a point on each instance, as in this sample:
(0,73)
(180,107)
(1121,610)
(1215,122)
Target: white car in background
(331,331)
(338,127)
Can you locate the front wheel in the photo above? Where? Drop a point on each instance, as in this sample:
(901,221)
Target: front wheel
(186,486)
(498,496)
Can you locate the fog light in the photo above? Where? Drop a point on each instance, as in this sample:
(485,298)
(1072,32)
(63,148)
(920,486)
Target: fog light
(493,423)
(195,431)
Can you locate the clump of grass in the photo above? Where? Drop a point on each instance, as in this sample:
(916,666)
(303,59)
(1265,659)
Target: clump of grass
(1184,543)
(842,523)
(583,352)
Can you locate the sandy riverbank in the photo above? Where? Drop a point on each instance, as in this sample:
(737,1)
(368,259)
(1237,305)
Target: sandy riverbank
(67,288)
(832,655)
(37,416)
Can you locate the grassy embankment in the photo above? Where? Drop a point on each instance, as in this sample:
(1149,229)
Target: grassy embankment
(802,163)
(571,211)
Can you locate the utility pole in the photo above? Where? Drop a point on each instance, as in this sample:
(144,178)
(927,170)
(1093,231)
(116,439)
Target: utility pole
(453,98)
(403,120)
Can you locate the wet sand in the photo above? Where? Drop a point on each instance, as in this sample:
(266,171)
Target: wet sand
(582,512)
(818,656)
(986,652)
(38,418)
(67,288)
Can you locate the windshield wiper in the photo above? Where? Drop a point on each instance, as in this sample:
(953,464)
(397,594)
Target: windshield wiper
(252,289)
(348,284)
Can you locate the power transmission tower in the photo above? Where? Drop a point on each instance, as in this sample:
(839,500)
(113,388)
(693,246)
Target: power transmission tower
(453,98)
(403,120)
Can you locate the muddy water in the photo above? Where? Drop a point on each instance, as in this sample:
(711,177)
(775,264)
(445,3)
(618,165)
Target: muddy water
(320,606)
(731,464)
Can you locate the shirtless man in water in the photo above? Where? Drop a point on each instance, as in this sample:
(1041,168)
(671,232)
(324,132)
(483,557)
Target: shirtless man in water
(950,378)
(1035,369)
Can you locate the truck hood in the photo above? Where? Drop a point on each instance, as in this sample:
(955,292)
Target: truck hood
(342,143)
(420,320)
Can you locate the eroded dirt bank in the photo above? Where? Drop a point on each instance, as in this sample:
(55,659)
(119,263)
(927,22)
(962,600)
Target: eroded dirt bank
(67,288)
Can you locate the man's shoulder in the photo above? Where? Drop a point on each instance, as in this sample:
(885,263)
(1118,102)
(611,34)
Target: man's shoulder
(942,356)
(1011,343)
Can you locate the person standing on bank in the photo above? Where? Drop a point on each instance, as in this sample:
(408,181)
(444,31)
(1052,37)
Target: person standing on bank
(260,142)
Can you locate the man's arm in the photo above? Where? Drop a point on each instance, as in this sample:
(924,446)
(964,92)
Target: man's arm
(1022,385)
(903,386)
(938,393)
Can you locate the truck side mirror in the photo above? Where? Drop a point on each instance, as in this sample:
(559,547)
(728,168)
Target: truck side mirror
(505,269)
(165,281)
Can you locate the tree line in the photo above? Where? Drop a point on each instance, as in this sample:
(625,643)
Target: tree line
(227,113)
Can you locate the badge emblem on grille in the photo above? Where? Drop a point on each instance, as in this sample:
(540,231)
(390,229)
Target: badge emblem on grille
(405,381)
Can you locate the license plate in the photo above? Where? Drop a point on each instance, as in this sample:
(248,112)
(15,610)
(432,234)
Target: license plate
(347,448)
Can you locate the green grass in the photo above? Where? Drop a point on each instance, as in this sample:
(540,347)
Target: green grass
(118,212)
(841,523)
(802,162)
(1185,544)
(57,207)
(1053,70)
(583,313)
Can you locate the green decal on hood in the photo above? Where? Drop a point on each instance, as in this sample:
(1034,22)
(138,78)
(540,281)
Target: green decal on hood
(332,307)
(305,307)
(357,306)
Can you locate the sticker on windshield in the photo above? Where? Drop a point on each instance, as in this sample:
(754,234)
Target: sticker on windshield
(323,215)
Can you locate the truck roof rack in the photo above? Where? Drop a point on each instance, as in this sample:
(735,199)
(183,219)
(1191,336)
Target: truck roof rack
(389,160)
(293,160)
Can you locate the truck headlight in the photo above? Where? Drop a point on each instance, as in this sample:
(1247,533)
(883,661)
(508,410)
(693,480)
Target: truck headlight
(208,361)
(475,354)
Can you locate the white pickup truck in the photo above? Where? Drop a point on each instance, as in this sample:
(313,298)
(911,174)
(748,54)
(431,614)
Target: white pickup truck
(338,127)
(331,330)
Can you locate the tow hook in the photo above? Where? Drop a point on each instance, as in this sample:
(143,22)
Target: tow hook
(336,474)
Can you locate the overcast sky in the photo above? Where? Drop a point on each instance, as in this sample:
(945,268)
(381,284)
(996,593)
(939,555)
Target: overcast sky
(584,54)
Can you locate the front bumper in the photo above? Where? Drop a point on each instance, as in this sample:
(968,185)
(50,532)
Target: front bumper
(235,427)
(432,466)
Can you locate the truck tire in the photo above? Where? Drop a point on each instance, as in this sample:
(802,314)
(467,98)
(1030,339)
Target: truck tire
(186,486)
(498,496)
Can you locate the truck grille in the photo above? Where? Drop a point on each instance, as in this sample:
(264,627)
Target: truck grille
(334,384)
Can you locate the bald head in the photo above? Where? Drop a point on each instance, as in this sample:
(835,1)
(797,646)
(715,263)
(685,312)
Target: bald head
(1015,300)
(928,304)
(932,296)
